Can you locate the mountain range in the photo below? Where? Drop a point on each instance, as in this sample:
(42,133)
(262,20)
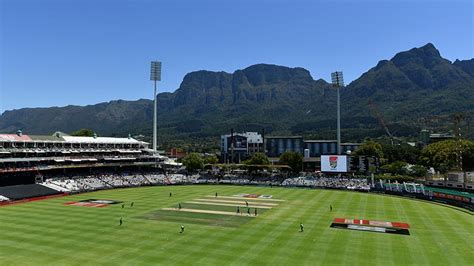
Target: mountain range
(415,89)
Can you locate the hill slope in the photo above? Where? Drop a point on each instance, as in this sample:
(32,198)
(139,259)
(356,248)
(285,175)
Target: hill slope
(407,89)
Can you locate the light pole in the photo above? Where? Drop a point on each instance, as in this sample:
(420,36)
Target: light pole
(338,82)
(155,75)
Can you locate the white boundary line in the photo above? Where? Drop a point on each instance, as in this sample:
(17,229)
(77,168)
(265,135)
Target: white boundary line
(232,205)
(243,198)
(208,211)
(233,201)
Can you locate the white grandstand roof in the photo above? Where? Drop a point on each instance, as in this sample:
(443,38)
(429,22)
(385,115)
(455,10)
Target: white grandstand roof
(105,140)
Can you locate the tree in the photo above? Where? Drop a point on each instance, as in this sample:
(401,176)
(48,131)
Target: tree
(417,170)
(369,148)
(443,155)
(85,132)
(401,152)
(258,159)
(397,168)
(211,159)
(193,161)
(293,159)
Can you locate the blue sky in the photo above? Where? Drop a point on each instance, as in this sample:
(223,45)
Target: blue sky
(61,52)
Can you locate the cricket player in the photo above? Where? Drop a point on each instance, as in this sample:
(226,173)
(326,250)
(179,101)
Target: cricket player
(301,227)
(182,229)
(120,222)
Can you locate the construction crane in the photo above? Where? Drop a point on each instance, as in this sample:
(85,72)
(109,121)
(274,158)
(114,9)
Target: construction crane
(378,115)
(457,119)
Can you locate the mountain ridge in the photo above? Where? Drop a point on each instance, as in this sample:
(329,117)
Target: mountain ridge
(410,86)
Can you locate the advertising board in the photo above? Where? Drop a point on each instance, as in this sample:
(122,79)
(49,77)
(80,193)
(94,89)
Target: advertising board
(334,163)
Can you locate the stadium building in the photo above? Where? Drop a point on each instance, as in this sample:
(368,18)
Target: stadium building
(276,146)
(240,146)
(311,149)
(26,159)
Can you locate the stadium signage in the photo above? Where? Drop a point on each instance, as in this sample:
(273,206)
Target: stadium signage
(371,226)
(97,203)
(452,197)
(334,163)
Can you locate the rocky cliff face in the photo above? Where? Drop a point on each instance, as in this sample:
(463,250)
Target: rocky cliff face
(412,85)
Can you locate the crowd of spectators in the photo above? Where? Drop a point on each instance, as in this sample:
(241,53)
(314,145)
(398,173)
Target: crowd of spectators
(328,182)
(90,182)
(239,179)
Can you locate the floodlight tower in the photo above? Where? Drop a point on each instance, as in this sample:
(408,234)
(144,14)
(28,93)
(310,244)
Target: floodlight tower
(338,82)
(155,75)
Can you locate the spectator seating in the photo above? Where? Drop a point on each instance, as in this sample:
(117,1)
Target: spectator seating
(19,192)
(2,198)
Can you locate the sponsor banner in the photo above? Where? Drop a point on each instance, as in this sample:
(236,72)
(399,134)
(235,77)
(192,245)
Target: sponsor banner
(101,201)
(85,204)
(334,163)
(371,223)
(371,226)
(366,228)
(451,197)
(98,203)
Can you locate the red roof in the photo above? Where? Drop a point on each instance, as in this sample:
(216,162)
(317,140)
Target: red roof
(14,137)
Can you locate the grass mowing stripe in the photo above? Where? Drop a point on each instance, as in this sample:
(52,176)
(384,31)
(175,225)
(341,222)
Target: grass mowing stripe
(402,207)
(324,233)
(312,216)
(259,236)
(49,232)
(446,236)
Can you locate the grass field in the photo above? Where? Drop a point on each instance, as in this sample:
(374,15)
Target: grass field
(50,232)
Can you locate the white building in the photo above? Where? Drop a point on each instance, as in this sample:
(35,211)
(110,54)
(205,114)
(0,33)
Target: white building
(244,145)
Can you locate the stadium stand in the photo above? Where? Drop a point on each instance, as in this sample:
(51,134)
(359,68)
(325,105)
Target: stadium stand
(109,180)
(24,158)
(2,198)
(329,182)
(113,180)
(55,187)
(155,178)
(19,192)
(462,199)
(80,182)
(70,164)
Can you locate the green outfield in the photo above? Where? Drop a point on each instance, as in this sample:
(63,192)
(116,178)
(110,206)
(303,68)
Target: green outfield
(52,232)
